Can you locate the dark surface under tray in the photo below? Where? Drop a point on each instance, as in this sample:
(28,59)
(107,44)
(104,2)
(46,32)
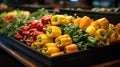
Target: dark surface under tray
(8,60)
(81,58)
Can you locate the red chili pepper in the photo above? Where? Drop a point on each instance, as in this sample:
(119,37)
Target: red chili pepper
(6,22)
(13,17)
(18,36)
(45,27)
(39,26)
(3,16)
(32,23)
(8,17)
(46,19)
(29,41)
(32,31)
(35,33)
(27,33)
(23,28)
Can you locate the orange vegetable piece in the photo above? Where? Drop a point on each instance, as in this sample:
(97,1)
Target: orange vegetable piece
(77,20)
(114,38)
(85,22)
(118,28)
(102,23)
(71,48)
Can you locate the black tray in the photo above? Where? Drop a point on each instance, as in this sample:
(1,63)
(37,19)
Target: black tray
(113,17)
(77,59)
(8,60)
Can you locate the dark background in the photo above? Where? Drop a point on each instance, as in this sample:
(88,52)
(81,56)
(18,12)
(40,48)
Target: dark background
(94,3)
(7,60)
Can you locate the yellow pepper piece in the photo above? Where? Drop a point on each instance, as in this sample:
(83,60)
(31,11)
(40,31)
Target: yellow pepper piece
(57,19)
(50,50)
(69,19)
(12,13)
(71,48)
(110,31)
(50,45)
(25,13)
(105,42)
(100,34)
(91,30)
(43,38)
(63,40)
(36,45)
(57,54)
(53,31)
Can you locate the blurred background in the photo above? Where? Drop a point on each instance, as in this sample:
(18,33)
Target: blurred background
(85,4)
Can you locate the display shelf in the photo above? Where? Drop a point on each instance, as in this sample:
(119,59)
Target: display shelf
(81,58)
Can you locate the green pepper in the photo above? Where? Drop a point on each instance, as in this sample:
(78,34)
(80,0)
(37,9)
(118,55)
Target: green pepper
(92,40)
(69,28)
(89,45)
(79,35)
(76,36)
(81,45)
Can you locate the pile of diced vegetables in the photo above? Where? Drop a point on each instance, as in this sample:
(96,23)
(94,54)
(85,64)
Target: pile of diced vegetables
(58,34)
